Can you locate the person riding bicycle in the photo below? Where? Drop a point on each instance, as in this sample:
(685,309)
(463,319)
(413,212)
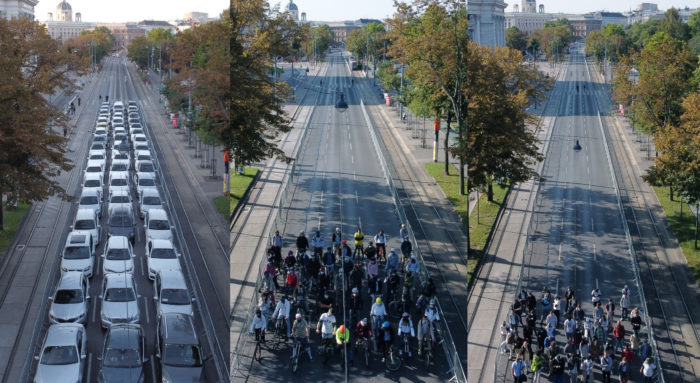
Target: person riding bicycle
(265,302)
(355,301)
(302,241)
(370,251)
(300,330)
(380,240)
(329,260)
(317,243)
(327,320)
(413,266)
(404,305)
(299,297)
(290,260)
(393,282)
(374,284)
(426,293)
(432,313)
(277,244)
(282,312)
(359,237)
(405,328)
(345,250)
(406,249)
(313,267)
(258,326)
(292,280)
(403,233)
(326,302)
(378,311)
(425,329)
(363,332)
(336,239)
(385,339)
(324,281)
(356,277)
(342,337)
(392,262)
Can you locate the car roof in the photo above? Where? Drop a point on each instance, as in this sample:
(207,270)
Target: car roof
(120,192)
(145,175)
(150,193)
(121,208)
(114,175)
(94,163)
(70,280)
(85,214)
(119,280)
(157,214)
(77,238)
(118,242)
(178,328)
(123,336)
(88,193)
(62,334)
(172,279)
(162,244)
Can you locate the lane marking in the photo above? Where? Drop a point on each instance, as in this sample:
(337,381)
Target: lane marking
(596,283)
(595,255)
(145,307)
(89,366)
(94,308)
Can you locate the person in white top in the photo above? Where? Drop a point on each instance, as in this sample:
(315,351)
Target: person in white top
(595,296)
(587,367)
(647,370)
(624,305)
(504,333)
(258,325)
(403,233)
(282,312)
(377,312)
(317,243)
(405,327)
(569,327)
(380,241)
(552,319)
(327,320)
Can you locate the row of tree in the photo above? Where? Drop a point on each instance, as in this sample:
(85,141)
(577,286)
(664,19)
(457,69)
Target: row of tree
(553,39)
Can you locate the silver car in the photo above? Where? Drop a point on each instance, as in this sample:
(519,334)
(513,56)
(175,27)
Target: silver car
(161,255)
(119,299)
(70,302)
(90,199)
(118,256)
(171,293)
(63,355)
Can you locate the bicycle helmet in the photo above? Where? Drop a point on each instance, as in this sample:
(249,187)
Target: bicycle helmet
(337,230)
(298,316)
(432,302)
(342,328)
(355,290)
(364,321)
(301,232)
(405,315)
(385,324)
(393,250)
(379,301)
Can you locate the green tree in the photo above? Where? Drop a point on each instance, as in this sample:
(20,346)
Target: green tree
(694,23)
(319,40)
(640,33)
(555,37)
(673,25)
(595,44)
(389,76)
(32,154)
(367,41)
(515,39)
(159,34)
(139,51)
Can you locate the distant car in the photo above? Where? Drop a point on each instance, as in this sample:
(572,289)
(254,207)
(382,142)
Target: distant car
(86,221)
(144,181)
(102,118)
(100,139)
(118,155)
(145,166)
(118,138)
(134,131)
(119,197)
(171,294)
(120,166)
(148,200)
(96,167)
(178,349)
(118,180)
(98,155)
(136,125)
(123,355)
(70,301)
(93,182)
(63,355)
(133,121)
(121,222)
(161,255)
(118,106)
(77,254)
(90,199)
(157,225)
(139,139)
(141,146)
(100,130)
(118,256)
(117,120)
(142,155)
(119,299)
(101,146)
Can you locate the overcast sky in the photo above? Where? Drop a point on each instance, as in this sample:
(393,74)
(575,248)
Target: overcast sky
(132,10)
(334,10)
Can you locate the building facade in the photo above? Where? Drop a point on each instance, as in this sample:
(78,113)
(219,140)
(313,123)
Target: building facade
(12,9)
(611,18)
(528,22)
(149,25)
(487,23)
(582,26)
(64,26)
(123,33)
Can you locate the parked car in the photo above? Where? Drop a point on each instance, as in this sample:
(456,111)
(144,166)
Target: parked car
(87,222)
(90,199)
(63,355)
(119,197)
(93,181)
(161,255)
(171,294)
(121,222)
(144,181)
(157,225)
(148,200)
(178,349)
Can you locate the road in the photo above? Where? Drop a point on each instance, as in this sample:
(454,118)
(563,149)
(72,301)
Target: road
(212,328)
(341,185)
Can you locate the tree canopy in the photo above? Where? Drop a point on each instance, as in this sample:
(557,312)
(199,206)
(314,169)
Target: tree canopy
(515,39)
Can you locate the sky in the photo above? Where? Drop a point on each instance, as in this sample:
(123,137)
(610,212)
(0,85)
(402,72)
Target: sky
(334,10)
(132,10)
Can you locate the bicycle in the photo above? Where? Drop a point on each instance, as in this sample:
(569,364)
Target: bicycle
(327,348)
(427,350)
(281,330)
(393,362)
(257,352)
(363,345)
(358,253)
(406,344)
(296,359)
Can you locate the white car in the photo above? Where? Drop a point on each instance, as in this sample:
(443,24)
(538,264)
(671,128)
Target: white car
(134,121)
(117,120)
(141,146)
(136,125)
(139,139)
(77,254)
(90,199)
(64,354)
(157,225)
(118,256)
(119,299)
(142,155)
(103,118)
(100,139)
(118,106)
(93,182)
(119,197)
(100,131)
(70,301)
(145,166)
(86,222)
(96,167)
(118,138)
(149,199)
(97,155)
(134,131)
(161,255)
(144,181)
(171,293)
(118,180)
(99,146)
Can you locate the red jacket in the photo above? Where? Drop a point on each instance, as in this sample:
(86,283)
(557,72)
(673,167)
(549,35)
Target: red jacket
(628,355)
(292,280)
(619,331)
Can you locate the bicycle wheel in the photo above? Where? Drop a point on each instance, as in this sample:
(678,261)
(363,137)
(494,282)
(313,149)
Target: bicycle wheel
(257,354)
(393,362)
(296,359)
(427,353)
(366,352)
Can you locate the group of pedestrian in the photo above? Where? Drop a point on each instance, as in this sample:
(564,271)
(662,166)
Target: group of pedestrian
(589,343)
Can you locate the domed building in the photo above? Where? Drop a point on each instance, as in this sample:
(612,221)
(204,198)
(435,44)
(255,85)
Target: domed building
(64,12)
(61,25)
(293,10)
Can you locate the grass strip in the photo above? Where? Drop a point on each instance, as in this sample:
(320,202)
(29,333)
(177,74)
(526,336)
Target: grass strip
(12,218)
(239,184)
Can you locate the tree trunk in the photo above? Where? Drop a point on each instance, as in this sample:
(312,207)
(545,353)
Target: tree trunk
(670,193)
(2,215)
(447,144)
(681,202)
(489,191)
(461,177)
(697,213)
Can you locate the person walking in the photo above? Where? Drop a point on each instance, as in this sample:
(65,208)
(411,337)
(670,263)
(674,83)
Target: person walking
(537,362)
(587,369)
(606,367)
(619,335)
(624,305)
(647,370)
(518,370)
(624,370)
(380,240)
(636,320)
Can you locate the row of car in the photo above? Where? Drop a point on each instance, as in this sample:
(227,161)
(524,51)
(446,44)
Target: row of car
(63,354)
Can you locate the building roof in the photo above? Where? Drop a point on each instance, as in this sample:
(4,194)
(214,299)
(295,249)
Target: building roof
(64,6)
(291,6)
(155,23)
(611,14)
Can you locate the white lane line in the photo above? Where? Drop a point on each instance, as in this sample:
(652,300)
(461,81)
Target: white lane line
(94,307)
(560,251)
(351,146)
(145,307)
(89,366)
(352,158)
(153,367)
(595,255)
(596,283)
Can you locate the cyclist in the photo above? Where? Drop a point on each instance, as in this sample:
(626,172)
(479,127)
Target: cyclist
(302,241)
(345,251)
(404,305)
(292,280)
(432,313)
(282,312)
(380,240)
(329,260)
(326,302)
(375,284)
(336,239)
(403,233)
(327,319)
(385,339)
(370,251)
(300,329)
(270,280)
(393,262)
(106,98)
(408,281)
(425,330)
(313,267)
(413,266)
(595,296)
(300,297)
(405,328)
(356,276)
(378,312)
(359,237)
(258,326)
(392,285)
(363,332)
(324,281)
(342,337)
(317,243)
(100,98)
(406,249)
(264,303)
(355,302)
(277,244)
(426,293)
(290,260)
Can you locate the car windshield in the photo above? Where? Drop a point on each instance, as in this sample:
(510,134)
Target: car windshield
(92,183)
(59,355)
(89,200)
(118,254)
(118,181)
(146,167)
(120,294)
(98,147)
(76,252)
(146,182)
(97,157)
(140,139)
(120,220)
(182,355)
(84,224)
(163,253)
(158,224)
(119,137)
(121,156)
(100,138)
(174,297)
(124,358)
(143,157)
(65,297)
(151,200)
(120,199)
(119,168)
(141,147)
(94,169)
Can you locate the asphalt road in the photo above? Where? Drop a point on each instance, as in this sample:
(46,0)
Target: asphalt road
(341,185)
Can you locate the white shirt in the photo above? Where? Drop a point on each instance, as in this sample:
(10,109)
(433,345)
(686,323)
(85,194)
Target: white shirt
(317,241)
(406,327)
(327,322)
(380,239)
(378,310)
(595,296)
(282,309)
(432,314)
(551,318)
(648,369)
(260,322)
(557,304)
(570,325)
